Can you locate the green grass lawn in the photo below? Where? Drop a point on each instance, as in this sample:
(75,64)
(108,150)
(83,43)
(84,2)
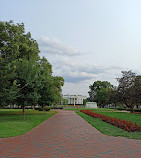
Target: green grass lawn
(11,123)
(76,109)
(135,118)
(109,129)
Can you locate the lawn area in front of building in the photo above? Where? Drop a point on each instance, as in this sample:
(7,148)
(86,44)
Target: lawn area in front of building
(11,123)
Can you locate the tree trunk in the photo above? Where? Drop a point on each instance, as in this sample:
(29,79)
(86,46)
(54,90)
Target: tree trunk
(23,112)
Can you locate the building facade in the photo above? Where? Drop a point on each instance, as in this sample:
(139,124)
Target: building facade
(74,99)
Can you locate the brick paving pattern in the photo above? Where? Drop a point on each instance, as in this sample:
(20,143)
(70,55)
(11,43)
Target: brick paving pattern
(66,135)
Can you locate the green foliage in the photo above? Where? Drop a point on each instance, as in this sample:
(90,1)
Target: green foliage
(135,118)
(50,89)
(26,79)
(85,101)
(64,101)
(44,109)
(128,91)
(15,43)
(11,123)
(99,92)
(6,90)
(109,129)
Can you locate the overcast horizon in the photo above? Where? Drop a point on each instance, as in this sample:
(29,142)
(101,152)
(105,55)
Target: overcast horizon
(84,40)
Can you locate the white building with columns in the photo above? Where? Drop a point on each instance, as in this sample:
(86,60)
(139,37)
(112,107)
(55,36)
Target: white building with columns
(74,99)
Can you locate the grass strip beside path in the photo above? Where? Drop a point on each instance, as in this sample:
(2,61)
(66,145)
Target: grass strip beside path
(11,123)
(109,129)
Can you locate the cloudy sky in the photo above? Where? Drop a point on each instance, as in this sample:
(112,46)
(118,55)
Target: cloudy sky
(84,40)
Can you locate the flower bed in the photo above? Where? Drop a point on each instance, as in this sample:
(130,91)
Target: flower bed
(123,124)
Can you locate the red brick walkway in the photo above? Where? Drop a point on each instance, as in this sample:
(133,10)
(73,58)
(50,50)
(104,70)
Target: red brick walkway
(67,135)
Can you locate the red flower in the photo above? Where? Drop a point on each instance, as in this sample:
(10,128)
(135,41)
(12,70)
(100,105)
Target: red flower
(123,124)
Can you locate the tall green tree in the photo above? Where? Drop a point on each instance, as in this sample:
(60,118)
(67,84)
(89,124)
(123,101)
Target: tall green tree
(46,89)
(15,44)
(25,78)
(26,83)
(51,87)
(126,89)
(99,92)
(129,89)
(58,83)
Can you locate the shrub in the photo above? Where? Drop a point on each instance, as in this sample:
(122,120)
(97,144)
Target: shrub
(37,108)
(44,109)
(55,107)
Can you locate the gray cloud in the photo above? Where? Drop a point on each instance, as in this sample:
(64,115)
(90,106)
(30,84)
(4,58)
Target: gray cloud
(77,76)
(54,46)
(76,72)
(71,65)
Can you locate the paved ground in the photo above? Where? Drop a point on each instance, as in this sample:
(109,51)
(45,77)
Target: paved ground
(67,135)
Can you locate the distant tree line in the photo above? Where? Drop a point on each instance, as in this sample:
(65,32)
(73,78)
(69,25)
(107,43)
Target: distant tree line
(127,93)
(25,78)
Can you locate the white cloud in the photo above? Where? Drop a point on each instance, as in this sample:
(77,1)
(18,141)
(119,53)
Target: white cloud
(77,72)
(54,46)
(80,84)
(74,68)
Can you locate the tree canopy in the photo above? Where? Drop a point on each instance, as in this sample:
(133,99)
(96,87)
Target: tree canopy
(99,92)
(128,91)
(25,78)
